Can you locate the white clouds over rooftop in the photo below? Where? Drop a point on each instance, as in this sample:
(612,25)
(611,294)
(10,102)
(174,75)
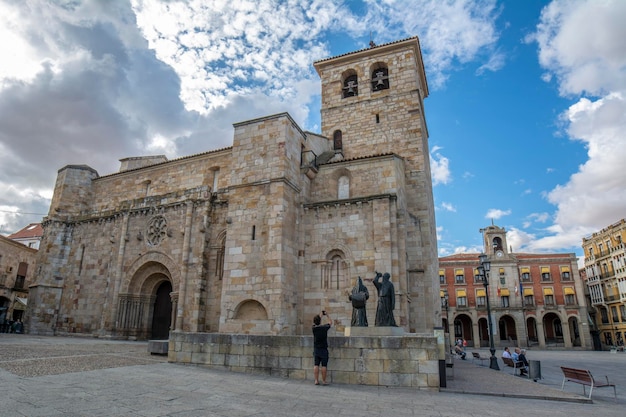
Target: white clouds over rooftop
(582,44)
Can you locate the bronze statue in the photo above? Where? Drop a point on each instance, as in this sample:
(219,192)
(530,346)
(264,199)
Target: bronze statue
(386,301)
(359,296)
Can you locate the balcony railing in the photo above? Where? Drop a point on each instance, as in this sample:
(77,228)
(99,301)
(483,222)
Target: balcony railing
(606,275)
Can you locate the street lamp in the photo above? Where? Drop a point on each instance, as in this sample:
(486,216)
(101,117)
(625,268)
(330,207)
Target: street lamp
(483,271)
(445,305)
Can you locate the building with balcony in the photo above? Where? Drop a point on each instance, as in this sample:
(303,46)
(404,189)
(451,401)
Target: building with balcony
(16,271)
(605,267)
(535,299)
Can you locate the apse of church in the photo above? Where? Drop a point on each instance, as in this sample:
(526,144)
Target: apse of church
(258,237)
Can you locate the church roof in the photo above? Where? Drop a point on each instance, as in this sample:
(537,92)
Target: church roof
(367,49)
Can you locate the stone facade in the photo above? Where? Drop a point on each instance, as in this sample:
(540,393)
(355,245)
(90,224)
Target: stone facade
(259,237)
(535,299)
(605,267)
(17,267)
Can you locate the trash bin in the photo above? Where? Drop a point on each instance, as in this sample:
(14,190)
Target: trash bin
(534,370)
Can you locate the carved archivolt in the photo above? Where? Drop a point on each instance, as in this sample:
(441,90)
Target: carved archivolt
(153,264)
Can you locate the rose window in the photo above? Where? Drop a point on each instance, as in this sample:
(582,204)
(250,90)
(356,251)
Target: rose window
(157,229)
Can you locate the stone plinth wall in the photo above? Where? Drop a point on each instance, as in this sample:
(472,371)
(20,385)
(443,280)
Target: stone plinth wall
(403,361)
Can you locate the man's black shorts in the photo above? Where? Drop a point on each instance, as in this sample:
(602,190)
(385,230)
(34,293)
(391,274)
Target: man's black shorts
(321,357)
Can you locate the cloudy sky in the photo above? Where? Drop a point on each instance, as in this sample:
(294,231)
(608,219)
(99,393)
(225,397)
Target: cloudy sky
(526,113)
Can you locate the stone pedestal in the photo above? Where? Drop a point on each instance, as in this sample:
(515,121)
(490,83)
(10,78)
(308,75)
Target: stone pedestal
(409,360)
(373,331)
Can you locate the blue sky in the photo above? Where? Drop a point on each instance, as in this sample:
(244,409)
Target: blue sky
(526,112)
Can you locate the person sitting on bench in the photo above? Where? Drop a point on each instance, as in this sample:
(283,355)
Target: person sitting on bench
(519,355)
(458,349)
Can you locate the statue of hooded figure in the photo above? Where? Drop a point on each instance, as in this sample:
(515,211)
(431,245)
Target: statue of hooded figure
(359,296)
(386,301)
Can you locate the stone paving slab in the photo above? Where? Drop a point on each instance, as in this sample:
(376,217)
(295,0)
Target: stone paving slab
(26,356)
(471,378)
(159,388)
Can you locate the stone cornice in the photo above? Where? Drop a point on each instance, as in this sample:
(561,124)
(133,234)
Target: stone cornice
(349,201)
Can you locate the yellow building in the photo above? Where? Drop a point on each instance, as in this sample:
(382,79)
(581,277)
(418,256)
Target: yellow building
(605,267)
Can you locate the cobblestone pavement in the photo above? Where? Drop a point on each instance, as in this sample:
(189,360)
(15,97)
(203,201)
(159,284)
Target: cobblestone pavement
(60,376)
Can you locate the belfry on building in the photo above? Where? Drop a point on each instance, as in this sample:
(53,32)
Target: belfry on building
(258,237)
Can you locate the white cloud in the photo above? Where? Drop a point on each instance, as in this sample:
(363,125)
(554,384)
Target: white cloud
(519,240)
(452,250)
(596,195)
(448,207)
(439,230)
(455,32)
(90,82)
(19,59)
(581,47)
(539,217)
(581,42)
(495,63)
(496,213)
(439,168)
(245,47)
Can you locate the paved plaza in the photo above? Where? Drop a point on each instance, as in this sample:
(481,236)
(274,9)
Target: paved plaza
(60,376)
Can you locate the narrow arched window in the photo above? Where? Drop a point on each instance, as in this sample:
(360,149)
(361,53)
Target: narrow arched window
(334,271)
(337,140)
(343,187)
(219,256)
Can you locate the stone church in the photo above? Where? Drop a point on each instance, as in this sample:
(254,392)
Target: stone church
(258,237)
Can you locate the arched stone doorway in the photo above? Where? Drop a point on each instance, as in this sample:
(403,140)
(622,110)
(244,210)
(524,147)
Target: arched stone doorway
(553,330)
(506,326)
(531,331)
(483,332)
(162,313)
(574,331)
(463,329)
(4,314)
(145,309)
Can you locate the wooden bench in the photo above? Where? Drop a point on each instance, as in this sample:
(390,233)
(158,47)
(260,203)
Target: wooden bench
(584,378)
(516,365)
(476,356)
